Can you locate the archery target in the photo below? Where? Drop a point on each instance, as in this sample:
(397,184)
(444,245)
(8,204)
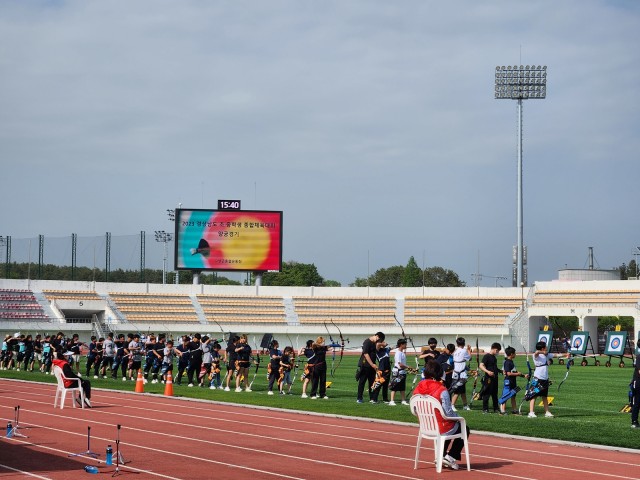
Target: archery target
(616,341)
(578,342)
(545,337)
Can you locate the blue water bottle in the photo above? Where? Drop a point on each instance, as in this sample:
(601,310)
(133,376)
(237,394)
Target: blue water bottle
(91,469)
(9,430)
(109,457)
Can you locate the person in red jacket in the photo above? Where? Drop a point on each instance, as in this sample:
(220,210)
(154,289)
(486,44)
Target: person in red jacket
(62,363)
(432,385)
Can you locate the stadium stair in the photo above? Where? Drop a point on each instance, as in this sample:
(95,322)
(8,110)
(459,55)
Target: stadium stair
(202,318)
(290,312)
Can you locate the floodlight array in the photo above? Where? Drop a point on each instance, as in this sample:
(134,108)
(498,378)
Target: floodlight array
(162,236)
(521,82)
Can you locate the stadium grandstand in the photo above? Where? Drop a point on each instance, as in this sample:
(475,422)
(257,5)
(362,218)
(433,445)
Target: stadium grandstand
(511,316)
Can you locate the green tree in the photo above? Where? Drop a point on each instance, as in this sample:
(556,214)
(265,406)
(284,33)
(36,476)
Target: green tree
(294,274)
(412,274)
(628,271)
(384,277)
(441,277)
(395,277)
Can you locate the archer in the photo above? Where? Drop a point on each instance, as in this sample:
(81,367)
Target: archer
(459,377)
(367,365)
(539,385)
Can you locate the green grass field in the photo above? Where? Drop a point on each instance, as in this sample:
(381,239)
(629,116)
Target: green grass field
(586,409)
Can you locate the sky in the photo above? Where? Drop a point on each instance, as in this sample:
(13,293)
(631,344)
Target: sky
(371,124)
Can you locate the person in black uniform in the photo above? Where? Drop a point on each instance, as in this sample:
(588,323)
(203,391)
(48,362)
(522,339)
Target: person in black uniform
(319,371)
(383,374)
(367,365)
(489,365)
(445,359)
(120,361)
(274,365)
(183,361)
(231,360)
(430,353)
(158,353)
(195,360)
(92,353)
(29,353)
(635,389)
(149,356)
(243,351)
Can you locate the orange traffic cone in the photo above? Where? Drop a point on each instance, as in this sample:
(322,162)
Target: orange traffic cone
(168,386)
(139,383)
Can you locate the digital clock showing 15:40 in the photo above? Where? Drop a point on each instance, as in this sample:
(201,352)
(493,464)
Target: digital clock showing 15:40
(228,204)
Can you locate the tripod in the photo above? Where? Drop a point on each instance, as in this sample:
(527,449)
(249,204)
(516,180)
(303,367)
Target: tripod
(88,453)
(119,457)
(16,426)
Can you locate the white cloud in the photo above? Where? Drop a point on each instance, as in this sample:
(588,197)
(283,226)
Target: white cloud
(339,113)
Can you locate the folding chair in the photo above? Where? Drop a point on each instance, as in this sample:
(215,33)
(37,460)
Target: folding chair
(425,407)
(61,390)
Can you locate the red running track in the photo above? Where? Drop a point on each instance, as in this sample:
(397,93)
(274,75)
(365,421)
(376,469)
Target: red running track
(167,437)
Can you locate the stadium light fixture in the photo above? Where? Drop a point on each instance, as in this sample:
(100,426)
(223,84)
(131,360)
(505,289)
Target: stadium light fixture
(164,238)
(520,82)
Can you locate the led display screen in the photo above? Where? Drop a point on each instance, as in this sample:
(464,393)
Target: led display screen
(243,240)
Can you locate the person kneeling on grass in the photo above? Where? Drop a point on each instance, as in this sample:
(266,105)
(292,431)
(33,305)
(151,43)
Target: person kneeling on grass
(62,363)
(432,386)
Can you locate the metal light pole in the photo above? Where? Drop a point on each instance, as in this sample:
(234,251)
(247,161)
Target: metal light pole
(164,238)
(520,83)
(172,218)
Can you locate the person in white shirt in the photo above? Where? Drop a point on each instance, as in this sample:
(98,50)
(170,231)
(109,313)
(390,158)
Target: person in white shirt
(539,385)
(399,373)
(459,377)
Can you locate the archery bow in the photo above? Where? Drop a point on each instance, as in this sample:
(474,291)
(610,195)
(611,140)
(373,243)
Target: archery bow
(256,360)
(333,345)
(475,381)
(293,362)
(529,380)
(569,362)
(342,341)
(221,329)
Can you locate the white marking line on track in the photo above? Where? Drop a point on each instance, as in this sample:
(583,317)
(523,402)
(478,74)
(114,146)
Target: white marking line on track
(138,470)
(412,436)
(475,470)
(237,447)
(494,473)
(242,412)
(7,467)
(156,450)
(329,463)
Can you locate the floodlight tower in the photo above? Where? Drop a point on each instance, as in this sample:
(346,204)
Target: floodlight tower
(164,238)
(520,83)
(172,218)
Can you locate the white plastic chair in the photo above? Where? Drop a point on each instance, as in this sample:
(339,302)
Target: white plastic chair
(425,407)
(61,390)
